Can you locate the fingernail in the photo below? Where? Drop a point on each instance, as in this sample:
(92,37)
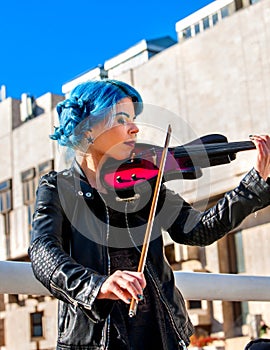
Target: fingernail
(140,296)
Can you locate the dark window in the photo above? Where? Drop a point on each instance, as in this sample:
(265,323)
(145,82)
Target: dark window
(45,167)
(29,185)
(2,302)
(194,304)
(29,181)
(36,324)
(215,18)
(5,208)
(2,332)
(5,196)
(187,32)
(29,191)
(197,28)
(225,12)
(13,298)
(206,23)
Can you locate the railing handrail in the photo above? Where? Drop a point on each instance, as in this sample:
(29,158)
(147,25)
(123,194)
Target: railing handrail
(18,278)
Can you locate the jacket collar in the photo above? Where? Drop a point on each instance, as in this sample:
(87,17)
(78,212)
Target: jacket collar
(78,169)
(81,184)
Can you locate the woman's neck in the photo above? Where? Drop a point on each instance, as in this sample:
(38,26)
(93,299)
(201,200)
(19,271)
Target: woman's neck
(90,166)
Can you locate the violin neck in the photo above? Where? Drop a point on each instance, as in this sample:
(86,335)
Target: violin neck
(212,149)
(230,147)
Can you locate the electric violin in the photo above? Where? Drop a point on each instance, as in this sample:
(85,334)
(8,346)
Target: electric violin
(182,162)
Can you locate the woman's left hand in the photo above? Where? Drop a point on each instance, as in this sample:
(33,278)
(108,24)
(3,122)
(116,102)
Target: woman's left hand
(262,143)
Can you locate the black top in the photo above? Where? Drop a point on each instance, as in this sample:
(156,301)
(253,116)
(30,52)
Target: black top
(142,330)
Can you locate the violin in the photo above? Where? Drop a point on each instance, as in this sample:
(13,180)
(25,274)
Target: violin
(182,162)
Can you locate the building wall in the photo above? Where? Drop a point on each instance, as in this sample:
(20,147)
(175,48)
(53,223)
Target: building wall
(23,148)
(216,82)
(25,145)
(17,318)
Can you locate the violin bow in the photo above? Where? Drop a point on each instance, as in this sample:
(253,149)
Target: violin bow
(141,265)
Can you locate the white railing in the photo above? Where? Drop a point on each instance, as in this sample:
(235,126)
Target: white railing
(18,278)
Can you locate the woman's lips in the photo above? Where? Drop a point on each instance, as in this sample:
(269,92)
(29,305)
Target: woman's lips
(130,143)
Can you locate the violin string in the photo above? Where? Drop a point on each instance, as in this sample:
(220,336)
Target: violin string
(179,151)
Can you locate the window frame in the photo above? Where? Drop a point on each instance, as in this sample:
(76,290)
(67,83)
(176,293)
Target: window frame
(36,324)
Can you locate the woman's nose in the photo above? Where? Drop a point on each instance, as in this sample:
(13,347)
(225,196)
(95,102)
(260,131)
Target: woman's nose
(133,128)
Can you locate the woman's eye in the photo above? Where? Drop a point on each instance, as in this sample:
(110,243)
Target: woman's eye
(121,121)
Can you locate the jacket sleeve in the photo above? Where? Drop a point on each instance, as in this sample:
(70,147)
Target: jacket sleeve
(192,227)
(52,265)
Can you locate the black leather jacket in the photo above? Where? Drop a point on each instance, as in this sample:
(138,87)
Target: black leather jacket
(69,249)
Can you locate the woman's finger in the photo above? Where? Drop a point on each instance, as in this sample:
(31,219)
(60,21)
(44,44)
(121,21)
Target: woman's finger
(123,285)
(262,143)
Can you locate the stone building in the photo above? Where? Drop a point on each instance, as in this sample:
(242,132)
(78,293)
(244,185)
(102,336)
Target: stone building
(215,79)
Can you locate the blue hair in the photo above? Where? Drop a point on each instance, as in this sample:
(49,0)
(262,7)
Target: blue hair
(89,104)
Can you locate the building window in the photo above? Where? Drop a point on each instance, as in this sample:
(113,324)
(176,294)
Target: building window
(29,182)
(197,28)
(187,33)
(2,332)
(206,23)
(5,209)
(215,19)
(29,185)
(45,167)
(36,324)
(5,196)
(2,302)
(194,304)
(224,12)
(29,190)
(240,258)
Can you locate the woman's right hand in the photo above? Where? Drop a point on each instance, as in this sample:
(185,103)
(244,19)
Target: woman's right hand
(262,143)
(123,285)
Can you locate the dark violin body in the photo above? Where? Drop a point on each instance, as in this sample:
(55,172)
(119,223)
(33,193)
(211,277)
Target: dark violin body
(182,162)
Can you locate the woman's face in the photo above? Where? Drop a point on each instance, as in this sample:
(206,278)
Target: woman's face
(117,141)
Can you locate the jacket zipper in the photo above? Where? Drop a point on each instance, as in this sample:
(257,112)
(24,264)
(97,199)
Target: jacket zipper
(106,333)
(62,292)
(108,320)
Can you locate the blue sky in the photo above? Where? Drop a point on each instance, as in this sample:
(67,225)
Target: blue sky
(47,43)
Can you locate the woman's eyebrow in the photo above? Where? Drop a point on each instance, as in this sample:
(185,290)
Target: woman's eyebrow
(122,113)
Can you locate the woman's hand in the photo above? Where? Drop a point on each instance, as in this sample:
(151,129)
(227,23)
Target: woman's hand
(262,144)
(123,285)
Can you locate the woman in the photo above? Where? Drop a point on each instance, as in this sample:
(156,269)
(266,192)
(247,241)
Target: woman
(86,244)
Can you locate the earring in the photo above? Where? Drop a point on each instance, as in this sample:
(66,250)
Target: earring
(90,140)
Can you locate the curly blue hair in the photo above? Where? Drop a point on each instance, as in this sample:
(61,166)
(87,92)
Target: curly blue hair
(87,105)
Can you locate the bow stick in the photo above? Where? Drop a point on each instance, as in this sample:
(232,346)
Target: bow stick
(134,303)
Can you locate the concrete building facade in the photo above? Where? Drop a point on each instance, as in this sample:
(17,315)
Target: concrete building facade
(217,81)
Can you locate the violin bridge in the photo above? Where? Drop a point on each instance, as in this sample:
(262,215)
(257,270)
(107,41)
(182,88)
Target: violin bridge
(129,199)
